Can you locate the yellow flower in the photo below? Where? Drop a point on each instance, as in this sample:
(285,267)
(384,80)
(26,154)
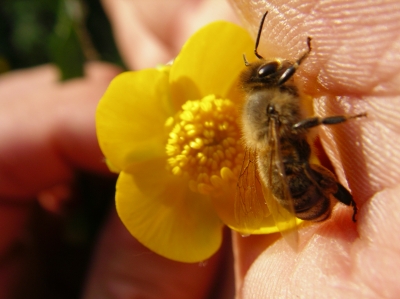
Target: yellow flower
(173,134)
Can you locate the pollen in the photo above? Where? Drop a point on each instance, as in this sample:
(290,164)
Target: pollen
(204,144)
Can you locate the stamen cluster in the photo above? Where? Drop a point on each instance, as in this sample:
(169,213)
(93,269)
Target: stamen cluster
(204,143)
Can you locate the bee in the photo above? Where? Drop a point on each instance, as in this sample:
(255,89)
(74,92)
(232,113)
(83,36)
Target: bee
(277,176)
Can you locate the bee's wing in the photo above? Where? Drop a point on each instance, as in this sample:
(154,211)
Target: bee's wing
(284,218)
(250,206)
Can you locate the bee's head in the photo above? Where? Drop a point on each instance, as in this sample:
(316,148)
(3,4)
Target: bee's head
(265,74)
(269,73)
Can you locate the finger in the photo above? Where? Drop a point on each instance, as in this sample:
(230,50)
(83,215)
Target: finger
(47,129)
(344,75)
(365,152)
(148,34)
(39,76)
(30,159)
(74,131)
(246,249)
(334,262)
(141,35)
(123,268)
(342,59)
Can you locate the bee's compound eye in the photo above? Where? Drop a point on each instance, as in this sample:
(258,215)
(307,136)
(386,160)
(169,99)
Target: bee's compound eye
(268,69)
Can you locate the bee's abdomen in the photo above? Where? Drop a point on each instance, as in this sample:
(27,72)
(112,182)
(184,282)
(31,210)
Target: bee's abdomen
(311,204)
(308,201)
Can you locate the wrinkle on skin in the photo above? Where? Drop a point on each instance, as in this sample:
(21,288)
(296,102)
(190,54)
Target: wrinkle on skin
(353,44)
(353,68)
(334,264)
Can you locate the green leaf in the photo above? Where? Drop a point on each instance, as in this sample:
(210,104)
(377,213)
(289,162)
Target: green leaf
(65,43)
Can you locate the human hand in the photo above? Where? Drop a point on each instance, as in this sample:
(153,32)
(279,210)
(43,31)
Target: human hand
(47,131)
(353,68)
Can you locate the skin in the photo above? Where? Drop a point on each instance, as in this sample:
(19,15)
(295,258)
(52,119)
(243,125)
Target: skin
(353,68)
(152,32)
(350,70)
(37,154)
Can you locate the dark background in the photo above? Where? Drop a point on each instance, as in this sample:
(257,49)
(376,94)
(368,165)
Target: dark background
(65,32)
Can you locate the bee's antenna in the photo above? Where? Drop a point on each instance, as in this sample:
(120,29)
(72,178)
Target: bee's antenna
(259,35)
(305,55)
(246,63)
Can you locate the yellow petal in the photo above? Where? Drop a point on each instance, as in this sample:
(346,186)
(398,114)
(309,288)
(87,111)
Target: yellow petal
(210,62)
(224,207)
(111,167)
(168,218)
(131,115)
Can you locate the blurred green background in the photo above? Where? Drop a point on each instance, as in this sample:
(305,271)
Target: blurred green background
(66,33)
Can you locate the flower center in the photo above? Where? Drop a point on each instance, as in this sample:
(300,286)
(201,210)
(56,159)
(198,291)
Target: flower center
(204,143)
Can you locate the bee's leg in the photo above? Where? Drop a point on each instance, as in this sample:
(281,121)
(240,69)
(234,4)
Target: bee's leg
(330,120)
(292,69)
(344,196)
